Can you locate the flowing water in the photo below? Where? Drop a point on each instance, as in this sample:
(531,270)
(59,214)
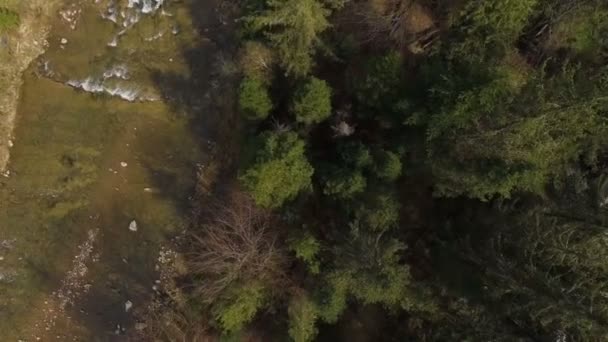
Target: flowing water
(97,146)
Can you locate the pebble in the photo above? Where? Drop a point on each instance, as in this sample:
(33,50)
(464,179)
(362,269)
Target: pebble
(128,305)
(124,164)
(133,226)
(64,41)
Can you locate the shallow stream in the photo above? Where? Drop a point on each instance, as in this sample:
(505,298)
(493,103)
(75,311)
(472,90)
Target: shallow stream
(97,146)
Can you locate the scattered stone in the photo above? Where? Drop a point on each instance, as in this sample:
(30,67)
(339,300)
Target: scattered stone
(10,143)
(1,258)
(128,305)
(113,42)
(133,226)
(64,41)
(124,164)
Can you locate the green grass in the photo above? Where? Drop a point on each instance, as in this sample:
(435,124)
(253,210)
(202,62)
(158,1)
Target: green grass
(8,19)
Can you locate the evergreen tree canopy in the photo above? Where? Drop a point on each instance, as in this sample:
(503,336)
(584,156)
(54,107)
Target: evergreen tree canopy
(280,170)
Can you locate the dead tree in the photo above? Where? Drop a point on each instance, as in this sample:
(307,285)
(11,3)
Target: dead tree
(238,243)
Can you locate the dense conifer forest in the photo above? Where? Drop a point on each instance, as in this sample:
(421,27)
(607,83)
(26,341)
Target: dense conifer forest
(411,170)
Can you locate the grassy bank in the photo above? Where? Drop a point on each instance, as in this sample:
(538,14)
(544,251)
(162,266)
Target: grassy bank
(21,41)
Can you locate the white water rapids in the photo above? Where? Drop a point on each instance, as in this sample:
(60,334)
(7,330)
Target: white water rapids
(125,15)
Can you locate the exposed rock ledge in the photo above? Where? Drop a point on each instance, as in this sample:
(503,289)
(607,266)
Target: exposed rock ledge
(17,51)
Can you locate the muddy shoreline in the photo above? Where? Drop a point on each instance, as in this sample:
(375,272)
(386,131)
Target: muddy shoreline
(21,48)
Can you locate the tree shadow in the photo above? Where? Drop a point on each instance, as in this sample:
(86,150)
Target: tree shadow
(205,97)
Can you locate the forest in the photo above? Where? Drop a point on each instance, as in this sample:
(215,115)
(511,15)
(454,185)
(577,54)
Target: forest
(408,170)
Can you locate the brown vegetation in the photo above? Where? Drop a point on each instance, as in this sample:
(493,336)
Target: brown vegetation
(239,242)
(401,22)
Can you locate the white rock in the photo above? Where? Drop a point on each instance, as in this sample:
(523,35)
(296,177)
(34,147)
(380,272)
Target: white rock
(64,41)
(133,226)
(10,143)
(128,305)
(123,164)
(1,258)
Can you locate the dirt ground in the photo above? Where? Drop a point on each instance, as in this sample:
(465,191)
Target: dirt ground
(18,49)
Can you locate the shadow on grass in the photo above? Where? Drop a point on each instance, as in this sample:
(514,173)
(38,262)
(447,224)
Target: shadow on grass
(205,97)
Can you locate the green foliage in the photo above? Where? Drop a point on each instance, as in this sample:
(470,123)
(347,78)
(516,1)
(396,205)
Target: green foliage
(347,180)
(8,19)
(488,28)
(379,211)
(379,90)
(302,318)
(355,155)
(334,295)
(239,306)
(280,170)
(376,276)
(530,257)
(344,183)
(292,28)
(506,104)
(388,166)
(506,133)
(368,269)
(312,103)
(307,249)
(253,99)
(583,29)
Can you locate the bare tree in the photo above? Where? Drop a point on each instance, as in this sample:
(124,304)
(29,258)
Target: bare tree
(238,243)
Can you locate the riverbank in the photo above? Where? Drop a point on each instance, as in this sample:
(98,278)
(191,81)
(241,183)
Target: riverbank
(18,49)
(91,161)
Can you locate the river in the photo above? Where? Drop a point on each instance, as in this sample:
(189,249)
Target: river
(103,139)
